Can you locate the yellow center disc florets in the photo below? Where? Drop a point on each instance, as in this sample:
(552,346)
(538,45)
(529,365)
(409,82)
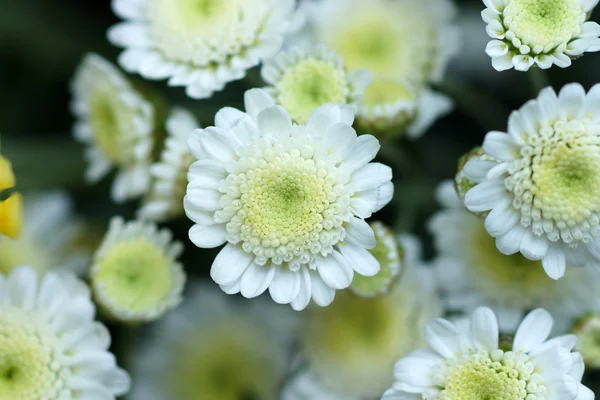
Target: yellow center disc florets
(556,182)
(32,366)
(543,24)
(489,376)
(283,205)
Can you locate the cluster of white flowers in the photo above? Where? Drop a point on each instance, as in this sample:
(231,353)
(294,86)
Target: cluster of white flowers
(283,189)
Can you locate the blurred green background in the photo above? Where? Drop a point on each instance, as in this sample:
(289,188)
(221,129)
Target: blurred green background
(42,42)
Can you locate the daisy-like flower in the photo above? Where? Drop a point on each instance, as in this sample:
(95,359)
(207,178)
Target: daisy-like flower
(392,108)
(539,32)
(587,330)
(351,346)
(50,345)
(390,255)
(11,208)
(169,175)
(400,39)
(201,45)
(468,363)
(305,78)
(215,348)
(136,277)
(473,272)
(542,188)
(288,200)
(48,237)
(116,124)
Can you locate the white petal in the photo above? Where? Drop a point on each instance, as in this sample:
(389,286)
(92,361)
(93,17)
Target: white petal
(534,247)
(227,117)
(592,104)
(275,121)
(256,279)
(501,219)
(484,329)
(503,63)
(358,232)
(533,331)
(361,260)
(376,199)
(286,285)
(257,100)
(218,144)
(365,149)
(371,176)
(230,264)
(500,146)
(485,196)
(22,287)
(322,294)
(496,48)
(444,338)
(523,62)
(334,270)
(476,169)
(339,141)
(590,29)
(571,99)
(304,295)
(554,262)
(510,242)
(207,237)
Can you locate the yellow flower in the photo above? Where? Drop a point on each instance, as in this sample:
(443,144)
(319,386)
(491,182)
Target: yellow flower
(11,209)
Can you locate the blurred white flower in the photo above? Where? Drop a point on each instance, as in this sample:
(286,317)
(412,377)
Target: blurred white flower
(215,348)
(466,363)
(201,45)
(116,124)
(48,237)
(136,276)
(473,272)
(391,108)
(307,77)
(390,255)
(540,32)
(542,189)
(289,200)
(351,346)
(169,175)
(50,346)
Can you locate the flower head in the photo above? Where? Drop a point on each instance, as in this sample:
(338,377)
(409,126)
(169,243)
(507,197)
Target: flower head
(201,45)
(48,237)
(540,32)
(542,187)
(473,272)
(50,345)
(391,108)
(169,175)
(11,208)
(390,255)
(468,363)
(289,200)
(135,276)
(116,124)
(305,78)
(217,348)
(351,346)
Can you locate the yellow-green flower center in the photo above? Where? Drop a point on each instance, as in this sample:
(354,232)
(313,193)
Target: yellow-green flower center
(133,276)
(282,205)
(310,84)
(490,376)
(387,251)
(386,92)
(203,31)
(225,363)
(106,118)
(31,364)
(556,182)
(545,23)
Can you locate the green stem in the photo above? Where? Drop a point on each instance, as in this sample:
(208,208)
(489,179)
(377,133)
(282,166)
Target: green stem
(538,79)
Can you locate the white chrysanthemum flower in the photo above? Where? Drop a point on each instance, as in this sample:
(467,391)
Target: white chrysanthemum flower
(305,78)
(169,175)
(400,39)
(215,348)
(116,124)
(351,346)
(543,185)
(390,255)
(136,276)
(201,45)
(473,272)
(468,363)
(48,237)
(289,200)
(392,108)
(540,32)
(50,345)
